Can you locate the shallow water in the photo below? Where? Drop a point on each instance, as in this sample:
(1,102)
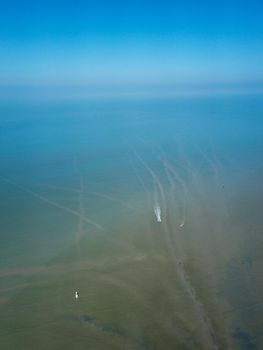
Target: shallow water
(79,183)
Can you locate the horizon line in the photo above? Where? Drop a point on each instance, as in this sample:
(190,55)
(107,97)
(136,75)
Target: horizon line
(84,91)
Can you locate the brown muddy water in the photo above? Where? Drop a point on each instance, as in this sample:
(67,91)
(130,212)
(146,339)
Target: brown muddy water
(80,184)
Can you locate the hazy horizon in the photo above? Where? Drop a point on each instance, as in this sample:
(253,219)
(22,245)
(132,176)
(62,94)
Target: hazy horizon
(132,46)
(131,139)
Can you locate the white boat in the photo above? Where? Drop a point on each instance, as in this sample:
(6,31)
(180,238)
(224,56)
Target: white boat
(157,212)
(182,224)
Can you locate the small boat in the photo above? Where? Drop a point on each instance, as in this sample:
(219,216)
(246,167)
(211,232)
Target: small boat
(182,224)
(76,295)
(157,212)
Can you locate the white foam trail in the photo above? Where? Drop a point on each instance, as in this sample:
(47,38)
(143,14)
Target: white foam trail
(157,212)
(160,155)
(54,204)
(157,208)
(168,238)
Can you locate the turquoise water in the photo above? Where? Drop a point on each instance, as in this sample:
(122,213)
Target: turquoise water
(79,182)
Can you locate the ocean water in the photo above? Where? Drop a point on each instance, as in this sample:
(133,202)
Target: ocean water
(81,183)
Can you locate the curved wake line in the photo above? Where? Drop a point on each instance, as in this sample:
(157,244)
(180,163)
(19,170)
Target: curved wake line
(154,176)
(172,185)
(210,337)
(54,204)
(208,328)
(168,240)
(142,183)
(160,155)
(213,165)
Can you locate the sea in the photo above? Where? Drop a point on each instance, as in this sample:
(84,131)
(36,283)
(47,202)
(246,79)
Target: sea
(151,209)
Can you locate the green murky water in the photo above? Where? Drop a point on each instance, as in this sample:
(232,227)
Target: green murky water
(79,184)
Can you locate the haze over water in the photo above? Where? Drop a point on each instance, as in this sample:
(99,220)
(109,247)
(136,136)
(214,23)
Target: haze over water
(131,138)
(79,183)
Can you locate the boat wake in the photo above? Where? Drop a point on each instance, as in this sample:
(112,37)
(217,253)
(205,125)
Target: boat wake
(157,212)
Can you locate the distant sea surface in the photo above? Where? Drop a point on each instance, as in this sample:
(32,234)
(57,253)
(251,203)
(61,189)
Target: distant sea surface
(150,208)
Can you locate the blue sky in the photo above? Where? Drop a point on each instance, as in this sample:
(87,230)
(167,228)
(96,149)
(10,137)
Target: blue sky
(136,44)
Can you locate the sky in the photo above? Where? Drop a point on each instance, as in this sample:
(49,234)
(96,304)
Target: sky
(132,45)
